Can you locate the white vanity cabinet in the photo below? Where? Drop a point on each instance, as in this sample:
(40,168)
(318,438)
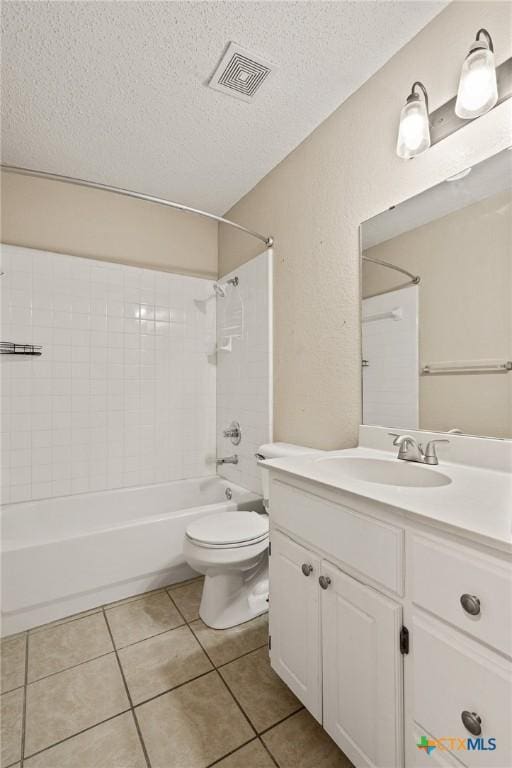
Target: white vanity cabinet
(295,630)
(362,670)
(368,629)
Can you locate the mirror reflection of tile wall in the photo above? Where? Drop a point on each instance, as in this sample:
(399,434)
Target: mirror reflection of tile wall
(457,237)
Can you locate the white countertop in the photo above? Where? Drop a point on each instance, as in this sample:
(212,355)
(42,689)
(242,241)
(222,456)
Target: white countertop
(476,504)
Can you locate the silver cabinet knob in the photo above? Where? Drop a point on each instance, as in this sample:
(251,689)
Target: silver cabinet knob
(307,568)
(472,722)
(471,604)
(324,581)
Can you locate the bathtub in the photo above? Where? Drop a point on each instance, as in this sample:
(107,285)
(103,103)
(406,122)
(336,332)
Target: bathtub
(65,555)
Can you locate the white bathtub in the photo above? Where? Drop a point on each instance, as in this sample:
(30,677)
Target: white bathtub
(65,555)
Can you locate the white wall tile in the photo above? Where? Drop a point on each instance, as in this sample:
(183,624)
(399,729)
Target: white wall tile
(124,372)
(244,375)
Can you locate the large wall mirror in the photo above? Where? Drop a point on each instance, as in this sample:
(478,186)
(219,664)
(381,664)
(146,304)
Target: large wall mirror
(437,307)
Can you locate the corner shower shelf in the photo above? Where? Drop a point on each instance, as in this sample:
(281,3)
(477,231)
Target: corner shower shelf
(10,348)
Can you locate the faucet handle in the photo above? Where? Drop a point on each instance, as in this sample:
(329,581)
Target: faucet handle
(430,450)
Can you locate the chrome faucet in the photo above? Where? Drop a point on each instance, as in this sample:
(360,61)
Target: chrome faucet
(411,450)
(228,460)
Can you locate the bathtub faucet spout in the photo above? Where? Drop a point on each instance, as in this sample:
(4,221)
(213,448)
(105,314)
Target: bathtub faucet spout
(228,460)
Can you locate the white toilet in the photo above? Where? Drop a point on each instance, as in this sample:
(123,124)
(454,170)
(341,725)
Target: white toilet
(231,549)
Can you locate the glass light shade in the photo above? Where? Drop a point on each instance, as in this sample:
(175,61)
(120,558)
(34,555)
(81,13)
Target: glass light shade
(478,90)
(414,129)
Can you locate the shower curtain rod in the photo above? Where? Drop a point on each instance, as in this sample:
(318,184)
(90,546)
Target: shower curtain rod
(414,279)
(269,241)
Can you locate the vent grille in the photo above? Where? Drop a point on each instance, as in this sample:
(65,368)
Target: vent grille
(240,73)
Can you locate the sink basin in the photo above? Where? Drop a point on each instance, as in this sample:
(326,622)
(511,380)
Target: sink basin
(403,473)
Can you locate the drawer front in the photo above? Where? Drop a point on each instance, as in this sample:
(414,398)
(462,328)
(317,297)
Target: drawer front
(453,674)
(443,573)
(371,548)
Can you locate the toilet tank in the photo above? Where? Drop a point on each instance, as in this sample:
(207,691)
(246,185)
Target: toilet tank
(277,451)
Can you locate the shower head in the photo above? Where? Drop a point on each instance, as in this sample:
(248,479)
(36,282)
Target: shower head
(219,290)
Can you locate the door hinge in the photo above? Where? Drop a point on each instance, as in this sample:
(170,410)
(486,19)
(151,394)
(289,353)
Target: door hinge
(269,548)
(404,640)
(270,642)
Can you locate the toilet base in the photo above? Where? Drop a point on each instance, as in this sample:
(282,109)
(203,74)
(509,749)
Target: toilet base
(234,597)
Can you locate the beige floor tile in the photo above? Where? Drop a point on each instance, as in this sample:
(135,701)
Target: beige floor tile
(114,744)
(11,719)
(139,619)
(188,598)
(264,698)
(162,662)
(253,755)
(300,742)
(12,650)
(193,725)
(132,598)
(223,645)
(65,620)
(64,704)
(65,645)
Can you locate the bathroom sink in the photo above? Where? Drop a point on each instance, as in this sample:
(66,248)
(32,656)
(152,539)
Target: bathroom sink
(402,473)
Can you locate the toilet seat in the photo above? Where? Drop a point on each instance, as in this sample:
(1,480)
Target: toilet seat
(228,530)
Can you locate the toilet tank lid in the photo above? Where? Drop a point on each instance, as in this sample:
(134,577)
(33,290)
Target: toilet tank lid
(280,450)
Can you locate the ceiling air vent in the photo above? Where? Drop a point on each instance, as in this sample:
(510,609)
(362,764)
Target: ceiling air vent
(240,73)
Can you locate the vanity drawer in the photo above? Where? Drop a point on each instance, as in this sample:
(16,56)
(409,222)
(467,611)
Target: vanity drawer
(443,573)
(372,548)
(454,674)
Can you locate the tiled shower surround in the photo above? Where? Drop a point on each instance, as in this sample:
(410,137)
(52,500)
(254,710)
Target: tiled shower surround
(244,374)
(124,391)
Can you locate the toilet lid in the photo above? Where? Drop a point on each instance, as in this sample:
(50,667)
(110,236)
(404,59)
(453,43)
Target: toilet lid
(229,528)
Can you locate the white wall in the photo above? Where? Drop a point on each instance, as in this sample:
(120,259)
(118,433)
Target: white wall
(244,375)
(391,349)
(124,392)
(313,202)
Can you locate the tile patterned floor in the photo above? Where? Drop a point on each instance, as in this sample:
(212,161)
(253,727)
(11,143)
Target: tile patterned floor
(143,683)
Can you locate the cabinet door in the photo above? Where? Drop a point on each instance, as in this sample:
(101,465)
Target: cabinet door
(362,671)
(295,652)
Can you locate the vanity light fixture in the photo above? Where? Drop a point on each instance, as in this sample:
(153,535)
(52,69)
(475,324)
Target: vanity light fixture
(478,88)
(414,128)
(482,87)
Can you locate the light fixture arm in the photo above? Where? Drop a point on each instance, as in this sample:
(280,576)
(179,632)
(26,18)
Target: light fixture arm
(418,84)
(486,34)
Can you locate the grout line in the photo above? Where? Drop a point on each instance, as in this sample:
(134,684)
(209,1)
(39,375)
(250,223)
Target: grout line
(24,710)
(267,750)
(66,669)
(78,733)
(98,609)
(283,719)
(150,637)
(130,599)
(103,609)
(137,726)
(142,743)
(247,653)
(232,752)
(65,620)
(175,688)
(138,642)
(225,685)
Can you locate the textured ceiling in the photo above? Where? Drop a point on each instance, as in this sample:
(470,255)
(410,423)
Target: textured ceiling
(116,92)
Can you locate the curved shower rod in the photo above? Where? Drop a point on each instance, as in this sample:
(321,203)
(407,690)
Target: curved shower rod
(414,279)
(269,241)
